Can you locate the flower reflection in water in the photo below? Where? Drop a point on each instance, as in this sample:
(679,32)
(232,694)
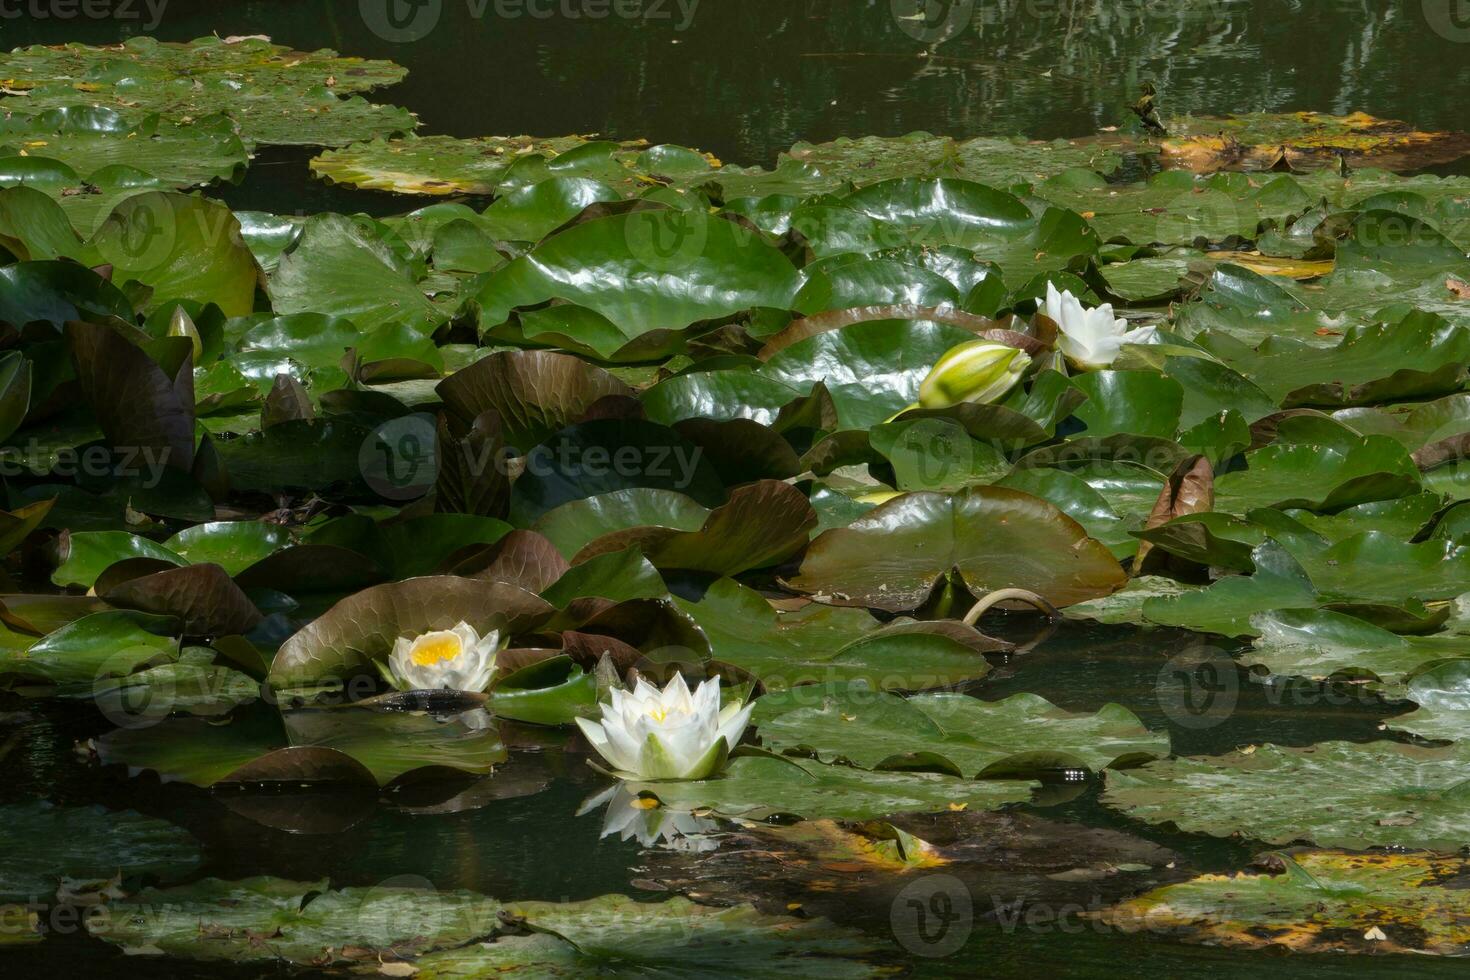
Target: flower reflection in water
(631,817)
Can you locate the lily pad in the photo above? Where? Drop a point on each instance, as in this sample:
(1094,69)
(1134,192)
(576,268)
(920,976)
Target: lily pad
(272,93)
(1315,902)
(297,921)
(361,629)
(830,644)
(1024,735)
(891,557)
(339,267)
(1303,140)
(671,938)
(661,271)
(1336,794)
(760,525)
(759,786)
(436,165)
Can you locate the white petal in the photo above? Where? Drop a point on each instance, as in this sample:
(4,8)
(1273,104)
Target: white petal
(1053,302)
(597,737)
(623,748)
(734,727)
(676,695)
(707,697)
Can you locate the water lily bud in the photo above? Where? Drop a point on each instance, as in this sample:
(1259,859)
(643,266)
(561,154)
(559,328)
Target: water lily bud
(979,371)
(181,324)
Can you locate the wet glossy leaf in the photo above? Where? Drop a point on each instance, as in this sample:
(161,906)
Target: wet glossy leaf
(674,937)
(1024,735)
(362,628)
(1336,794)
(892,556)
(827,644)
(757,786)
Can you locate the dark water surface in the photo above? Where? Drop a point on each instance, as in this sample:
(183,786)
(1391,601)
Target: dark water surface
(745,79)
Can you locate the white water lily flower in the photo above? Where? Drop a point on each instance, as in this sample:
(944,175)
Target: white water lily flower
(1091,339)
(670,734)
(638,818)
(977,371)
(457,659)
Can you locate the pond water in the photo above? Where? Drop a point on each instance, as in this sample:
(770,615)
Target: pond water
(745,80)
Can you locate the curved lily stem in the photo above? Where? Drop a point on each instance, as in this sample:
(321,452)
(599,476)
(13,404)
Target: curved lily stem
(1002,595)
(906,408)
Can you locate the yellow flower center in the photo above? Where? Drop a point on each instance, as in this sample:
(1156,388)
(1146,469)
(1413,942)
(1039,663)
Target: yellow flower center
(430,650)
(658,714)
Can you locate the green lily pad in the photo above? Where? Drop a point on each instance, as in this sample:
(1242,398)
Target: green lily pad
(271,93)
(1336,794)
(760,525)
(1419,356)
(1323,644)
(1315,902)
(661,271)
(891,557)
(436,165)
(94,648)
(1024,735)
(192,685)
(989,160)
(671,938)
(361,629)
(1440,690)
(341,268)
(183,248)
(391,743)
(1178,208)
(1324,471)
(92,141)
(826,644)
(296,921)
(759,786)
(1228,605)
(870,369)
(994,225)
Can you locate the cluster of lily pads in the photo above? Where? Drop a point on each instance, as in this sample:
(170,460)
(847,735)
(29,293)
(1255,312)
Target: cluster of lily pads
(722,466)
